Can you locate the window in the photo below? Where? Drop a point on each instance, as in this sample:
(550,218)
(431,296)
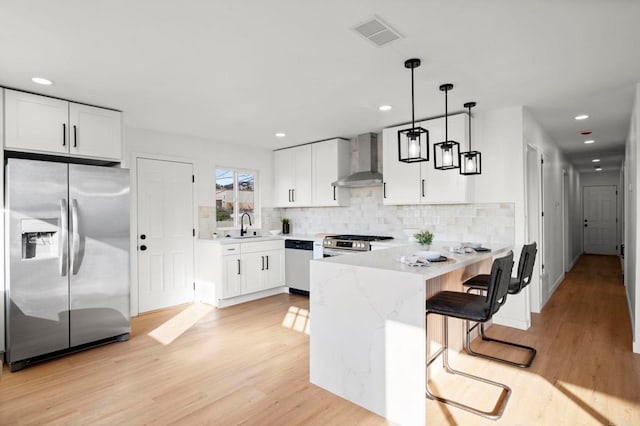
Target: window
(235,195)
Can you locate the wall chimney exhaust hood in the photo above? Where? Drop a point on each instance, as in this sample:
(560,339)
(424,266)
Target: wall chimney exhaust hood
(367,173)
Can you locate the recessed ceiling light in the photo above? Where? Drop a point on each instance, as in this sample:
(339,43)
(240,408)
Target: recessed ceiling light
(598,169)
(280,135)
(385,107)
(589,141)
(582,117)
(42,81)
(595,160)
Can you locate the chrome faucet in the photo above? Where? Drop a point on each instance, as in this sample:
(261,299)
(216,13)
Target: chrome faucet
(242,230)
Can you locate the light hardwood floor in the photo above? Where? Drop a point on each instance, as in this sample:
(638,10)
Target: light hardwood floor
(249,364)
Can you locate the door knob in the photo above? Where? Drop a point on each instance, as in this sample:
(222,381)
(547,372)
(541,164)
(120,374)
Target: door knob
(143,247)
(143,236)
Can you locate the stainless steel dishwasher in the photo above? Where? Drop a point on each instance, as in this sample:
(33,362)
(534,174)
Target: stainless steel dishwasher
(297,254)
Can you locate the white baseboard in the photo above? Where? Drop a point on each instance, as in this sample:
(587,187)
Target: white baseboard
(513,323)
(574,261)
(224,303)
(636,347)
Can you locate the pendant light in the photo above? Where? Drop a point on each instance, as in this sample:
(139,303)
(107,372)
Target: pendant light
(413,143)
(470,161)
(446,154)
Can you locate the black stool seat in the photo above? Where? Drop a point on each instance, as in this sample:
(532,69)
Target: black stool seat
(481,283)
(459,305)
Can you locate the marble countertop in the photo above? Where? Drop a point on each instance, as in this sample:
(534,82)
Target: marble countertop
(231,240)
(389,259)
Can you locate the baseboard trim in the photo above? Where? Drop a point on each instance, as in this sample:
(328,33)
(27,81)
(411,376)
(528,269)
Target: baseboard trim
(574,261)
(224,303)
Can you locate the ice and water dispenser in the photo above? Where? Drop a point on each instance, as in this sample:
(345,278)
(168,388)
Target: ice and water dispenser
(39,238)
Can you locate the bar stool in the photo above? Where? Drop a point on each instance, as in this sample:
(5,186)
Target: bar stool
(474,307)
(481,283)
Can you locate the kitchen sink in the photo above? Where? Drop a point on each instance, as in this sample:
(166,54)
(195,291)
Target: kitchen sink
(237,237)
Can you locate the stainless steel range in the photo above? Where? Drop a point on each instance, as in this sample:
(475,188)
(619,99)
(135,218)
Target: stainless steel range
(336,245)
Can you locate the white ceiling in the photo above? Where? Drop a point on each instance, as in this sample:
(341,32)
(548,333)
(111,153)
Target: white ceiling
(240,70)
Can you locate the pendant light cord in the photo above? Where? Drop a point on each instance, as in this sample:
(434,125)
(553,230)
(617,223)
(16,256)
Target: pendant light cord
(469,128)
(413,114)
(446,116)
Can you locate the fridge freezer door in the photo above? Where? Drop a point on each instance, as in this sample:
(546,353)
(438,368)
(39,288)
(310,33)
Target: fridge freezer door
(98,253)
(37,291)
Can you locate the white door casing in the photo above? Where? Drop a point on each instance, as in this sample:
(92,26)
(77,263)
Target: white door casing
(534,219)
(165,218)
(600,219)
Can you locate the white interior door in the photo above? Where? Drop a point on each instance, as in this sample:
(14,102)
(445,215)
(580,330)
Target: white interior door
(600,219)
(165,234)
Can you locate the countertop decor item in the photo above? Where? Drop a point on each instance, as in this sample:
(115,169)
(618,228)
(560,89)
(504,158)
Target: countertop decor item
(424,238)
(285,225)
(413,143)
(470,163)
(446,154)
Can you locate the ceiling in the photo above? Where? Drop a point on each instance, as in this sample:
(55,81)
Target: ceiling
(238,71)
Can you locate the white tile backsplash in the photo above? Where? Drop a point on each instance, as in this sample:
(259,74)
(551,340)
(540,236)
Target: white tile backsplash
(366,214)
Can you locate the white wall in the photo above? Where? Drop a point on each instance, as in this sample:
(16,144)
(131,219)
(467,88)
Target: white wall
(554,168)
(631,203)
(205,155)
(499,137)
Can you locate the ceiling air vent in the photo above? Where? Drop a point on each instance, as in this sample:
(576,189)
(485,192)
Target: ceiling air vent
(377,31)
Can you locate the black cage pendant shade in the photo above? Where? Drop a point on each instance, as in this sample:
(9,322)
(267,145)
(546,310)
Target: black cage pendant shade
(446,154)
(413,143)
(470,161)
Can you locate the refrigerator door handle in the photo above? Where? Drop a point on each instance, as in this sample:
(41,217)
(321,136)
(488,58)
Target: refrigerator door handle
(75,237)
(64,237)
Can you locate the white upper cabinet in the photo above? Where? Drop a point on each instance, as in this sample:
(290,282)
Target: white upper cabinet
(401,180)
(421,183)
(95,132)
(36,123)
(293,176)
(330,162)
(41,124)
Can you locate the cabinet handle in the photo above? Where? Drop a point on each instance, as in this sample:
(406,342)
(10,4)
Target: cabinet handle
(75,136)
(64,134)
(238,266)
(423,187)
(289,195)
(262,262)
(293,195)
(267,262)
(334,193)
(384,190)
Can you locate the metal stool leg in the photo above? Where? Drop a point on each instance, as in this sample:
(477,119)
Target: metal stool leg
(501,403)
(467,346)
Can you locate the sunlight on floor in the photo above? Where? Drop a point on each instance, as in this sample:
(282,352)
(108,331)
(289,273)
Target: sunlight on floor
(176,326)
(297,319)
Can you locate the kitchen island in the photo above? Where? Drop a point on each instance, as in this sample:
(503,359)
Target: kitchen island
(368,340)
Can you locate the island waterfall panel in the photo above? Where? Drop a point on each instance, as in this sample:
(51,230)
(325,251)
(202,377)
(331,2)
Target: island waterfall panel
(368,340)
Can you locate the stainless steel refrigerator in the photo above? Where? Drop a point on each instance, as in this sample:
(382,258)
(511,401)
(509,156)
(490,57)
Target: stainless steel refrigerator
(67,265)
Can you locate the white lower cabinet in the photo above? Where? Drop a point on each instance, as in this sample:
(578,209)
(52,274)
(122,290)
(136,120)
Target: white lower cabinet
(235,273)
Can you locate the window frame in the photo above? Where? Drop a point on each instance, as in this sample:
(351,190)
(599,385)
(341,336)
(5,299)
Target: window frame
(257,223)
